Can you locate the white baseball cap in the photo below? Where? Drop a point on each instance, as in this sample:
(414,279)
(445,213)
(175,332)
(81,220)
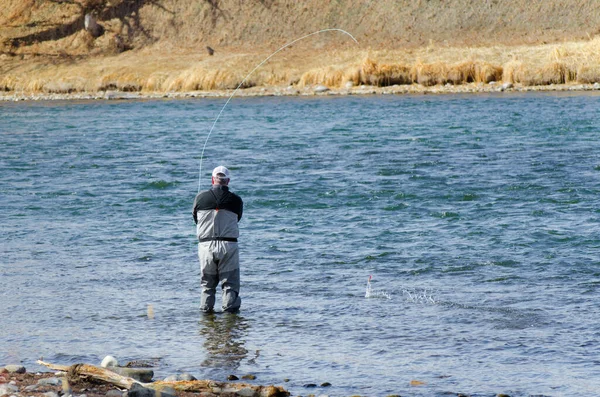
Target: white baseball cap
(221,170)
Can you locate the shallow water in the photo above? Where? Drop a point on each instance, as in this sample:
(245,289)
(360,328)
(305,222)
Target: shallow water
(478,216)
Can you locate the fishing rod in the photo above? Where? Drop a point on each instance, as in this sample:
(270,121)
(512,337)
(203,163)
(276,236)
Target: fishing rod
(247,76)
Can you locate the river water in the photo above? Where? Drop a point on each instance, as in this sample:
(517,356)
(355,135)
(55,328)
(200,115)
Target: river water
(476,216)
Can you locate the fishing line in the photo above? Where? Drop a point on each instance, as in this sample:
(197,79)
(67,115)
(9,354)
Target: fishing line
(244,80)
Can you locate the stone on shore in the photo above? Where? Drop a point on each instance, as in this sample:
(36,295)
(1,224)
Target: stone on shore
(15,369)
(7,389)
(320,89)
(246,392)
(140,374)
(138,390)
(50,382)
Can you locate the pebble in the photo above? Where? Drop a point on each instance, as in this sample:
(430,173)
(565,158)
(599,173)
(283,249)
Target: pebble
(51,394)
(232,377)
(138,390)
(50,381)
(8,389)
(596,86)
(15,369)
(245,392)
(114,393)
(249,376)
(320,88)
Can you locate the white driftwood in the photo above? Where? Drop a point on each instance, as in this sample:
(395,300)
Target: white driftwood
(77,371)
(83,371)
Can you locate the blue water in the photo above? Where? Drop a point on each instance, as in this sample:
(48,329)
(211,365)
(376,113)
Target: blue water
(478,215)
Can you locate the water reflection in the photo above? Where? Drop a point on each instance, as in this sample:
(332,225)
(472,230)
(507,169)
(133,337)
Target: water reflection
(224,337)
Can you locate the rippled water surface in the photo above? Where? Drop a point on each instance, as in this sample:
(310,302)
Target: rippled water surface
(477,217)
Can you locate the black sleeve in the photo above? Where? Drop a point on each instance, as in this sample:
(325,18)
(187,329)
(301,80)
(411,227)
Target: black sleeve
(241,210)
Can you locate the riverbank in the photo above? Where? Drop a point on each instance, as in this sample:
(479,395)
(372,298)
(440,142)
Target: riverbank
(317,90)
(302,70)
(180,48)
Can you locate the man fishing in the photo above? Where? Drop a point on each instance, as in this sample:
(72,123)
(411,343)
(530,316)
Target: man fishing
(217,212)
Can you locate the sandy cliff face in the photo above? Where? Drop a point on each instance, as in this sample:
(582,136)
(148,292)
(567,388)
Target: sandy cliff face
(58,26)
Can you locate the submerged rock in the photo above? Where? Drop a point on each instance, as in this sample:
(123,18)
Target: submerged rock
(181,377)
(142,363)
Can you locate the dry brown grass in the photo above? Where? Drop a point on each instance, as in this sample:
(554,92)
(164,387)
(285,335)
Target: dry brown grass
(588,74)
(156,69)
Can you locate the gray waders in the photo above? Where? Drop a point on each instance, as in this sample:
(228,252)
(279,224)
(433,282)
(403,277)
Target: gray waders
(219,263)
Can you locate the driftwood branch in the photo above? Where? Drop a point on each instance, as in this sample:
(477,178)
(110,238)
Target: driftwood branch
(77,372)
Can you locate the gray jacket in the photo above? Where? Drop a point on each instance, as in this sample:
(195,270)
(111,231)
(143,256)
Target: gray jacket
(217,212)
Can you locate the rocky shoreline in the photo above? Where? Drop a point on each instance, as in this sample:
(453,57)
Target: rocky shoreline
(318,90)
(15,381)
(112,380)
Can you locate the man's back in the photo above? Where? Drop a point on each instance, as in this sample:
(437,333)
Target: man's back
(217,212)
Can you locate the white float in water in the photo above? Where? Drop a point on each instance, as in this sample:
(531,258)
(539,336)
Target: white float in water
(370,293)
